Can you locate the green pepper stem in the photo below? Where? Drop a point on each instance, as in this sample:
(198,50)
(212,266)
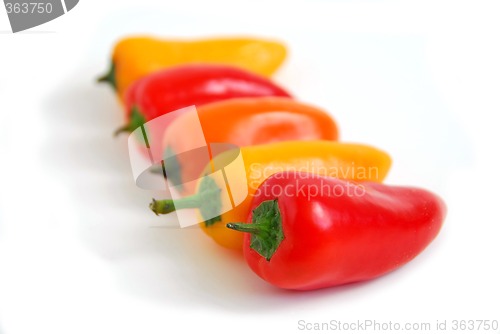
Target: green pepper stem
(208,200)
(166,206)
(136,120)
(122,129)
(266,228)
(243,227)
(103,78)
(109,77)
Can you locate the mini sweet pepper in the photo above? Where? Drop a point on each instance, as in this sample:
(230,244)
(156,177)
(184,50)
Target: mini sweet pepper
(315,231)
(135,57)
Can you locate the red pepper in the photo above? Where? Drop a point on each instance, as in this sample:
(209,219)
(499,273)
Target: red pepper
(182,86)
(308,232)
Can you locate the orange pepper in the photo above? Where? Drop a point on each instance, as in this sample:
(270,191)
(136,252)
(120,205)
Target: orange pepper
(242,122)
(135,57)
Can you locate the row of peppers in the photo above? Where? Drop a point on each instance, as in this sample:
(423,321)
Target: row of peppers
(300,238)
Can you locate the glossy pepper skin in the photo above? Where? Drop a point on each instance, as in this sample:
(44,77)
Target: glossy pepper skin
(244,122)
(346,232)
(135,57)
(349,161)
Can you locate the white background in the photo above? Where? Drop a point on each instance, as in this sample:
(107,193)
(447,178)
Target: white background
(420,79)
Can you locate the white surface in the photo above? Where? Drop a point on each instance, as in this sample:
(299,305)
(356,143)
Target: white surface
(420,79)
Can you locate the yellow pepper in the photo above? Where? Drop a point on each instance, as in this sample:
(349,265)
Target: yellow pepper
(342,160)
(136,57)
